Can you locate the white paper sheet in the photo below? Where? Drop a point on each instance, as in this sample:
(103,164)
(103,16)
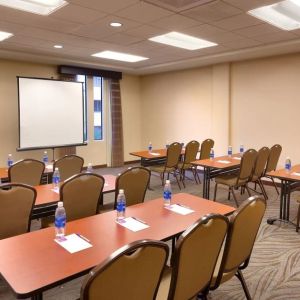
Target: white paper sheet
(180,209)
(223,161)
(154,153)
(237,158)
(106,184)
(133,224)
(49,167)
(295,173)
(73,243)
(56,190)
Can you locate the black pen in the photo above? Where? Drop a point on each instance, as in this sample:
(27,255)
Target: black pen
(183,205)
(84,238)
(139,220)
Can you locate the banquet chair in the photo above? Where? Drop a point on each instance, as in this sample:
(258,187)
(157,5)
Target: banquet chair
(194,259)
(132,272)
(134,182)
(272,162)
(190,154)
(243,228)
(26,171)
(68,166)
(80,195)
(171,164)
(16,201)
(240,179)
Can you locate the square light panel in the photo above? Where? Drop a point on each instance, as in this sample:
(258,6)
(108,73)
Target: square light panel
(284,15)
(40,7)
(181,40)
(5,35)
(119,56)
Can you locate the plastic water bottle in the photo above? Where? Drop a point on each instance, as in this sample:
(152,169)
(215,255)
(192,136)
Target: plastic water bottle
(89,168)
(288,165)
(211,154)
(9,160)
(60,220)
(167,193)
(121,205)
(242,149)
(56,178)
(230,151)
(45,158)
(167,145)
(150,147)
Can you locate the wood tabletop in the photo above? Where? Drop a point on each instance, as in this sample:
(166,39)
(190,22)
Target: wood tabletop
(293,175)
(156,153)
(221,162)
(46,195)
(40,263)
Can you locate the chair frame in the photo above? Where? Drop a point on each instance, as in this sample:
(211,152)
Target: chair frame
(24,160)
(125,172)
(244,265)
(10,185)
(125,250)
(177,253)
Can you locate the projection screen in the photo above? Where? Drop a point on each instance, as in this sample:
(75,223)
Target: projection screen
(51,113)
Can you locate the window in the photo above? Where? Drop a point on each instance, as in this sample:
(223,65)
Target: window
(82,78)
(98,128)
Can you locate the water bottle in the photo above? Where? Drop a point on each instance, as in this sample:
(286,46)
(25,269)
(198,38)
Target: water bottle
(167,145)
(230,151)
(167,193)
(60,220)
(89,168)
(242,149)
(121,205)
(9,160)
(288,165)
(150,147)
(45,158)
(211,154)
(56,178)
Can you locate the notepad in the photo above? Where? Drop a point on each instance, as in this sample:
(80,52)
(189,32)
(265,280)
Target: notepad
(180,209)
(106,184)
(295,174)
(73,243)
(49,167)
(133,224)
(55,190)
(154,153)
(223,161)
(236,157)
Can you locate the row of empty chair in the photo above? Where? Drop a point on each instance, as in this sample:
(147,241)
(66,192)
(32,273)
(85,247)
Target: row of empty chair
(207,254)
(254,166)
(174,165)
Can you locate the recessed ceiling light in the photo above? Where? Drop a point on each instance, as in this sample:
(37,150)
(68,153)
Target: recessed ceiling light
(5,35)
(181,40)
(58,46)
(284,15)
(115,24)
(41,7)
(119,56)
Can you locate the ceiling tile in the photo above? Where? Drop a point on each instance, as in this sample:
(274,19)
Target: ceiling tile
(122,39)
(237,22)
(259,29)
(143,12)
(242,43)
(78,14)
(145,31)
(276,37)
(246,5)
(10,27)
(210,12)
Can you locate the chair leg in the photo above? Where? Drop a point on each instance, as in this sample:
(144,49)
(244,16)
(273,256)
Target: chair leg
(228,197)
(195,175)
(262,189)
(215,192)
(298,218)
(234,196)
(275,185)
(248,190)
(240,276)
(182,177)
(176,179)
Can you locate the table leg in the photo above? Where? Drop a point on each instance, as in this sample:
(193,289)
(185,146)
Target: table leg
(37,297)
(206,182)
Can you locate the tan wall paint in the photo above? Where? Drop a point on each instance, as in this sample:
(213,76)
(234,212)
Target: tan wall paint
(265,104)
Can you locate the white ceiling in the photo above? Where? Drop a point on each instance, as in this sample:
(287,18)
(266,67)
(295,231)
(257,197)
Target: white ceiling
(83,28)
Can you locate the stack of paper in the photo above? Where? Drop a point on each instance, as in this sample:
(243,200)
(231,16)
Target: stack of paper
(223,161)
(179,209)
(133,224)
(73,242)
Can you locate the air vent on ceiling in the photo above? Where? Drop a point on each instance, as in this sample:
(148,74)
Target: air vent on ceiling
(178,5)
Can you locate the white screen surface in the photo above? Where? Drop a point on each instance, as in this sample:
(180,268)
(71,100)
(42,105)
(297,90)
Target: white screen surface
(50,113)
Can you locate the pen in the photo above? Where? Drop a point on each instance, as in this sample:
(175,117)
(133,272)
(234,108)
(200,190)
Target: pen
(84,238)
(183,206)
(139,220)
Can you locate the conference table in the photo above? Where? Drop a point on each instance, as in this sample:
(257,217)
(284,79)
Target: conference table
(216,166)
(32,263)
(47,197)
(289,181)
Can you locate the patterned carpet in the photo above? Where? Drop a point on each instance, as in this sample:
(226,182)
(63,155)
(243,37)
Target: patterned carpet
(274,269)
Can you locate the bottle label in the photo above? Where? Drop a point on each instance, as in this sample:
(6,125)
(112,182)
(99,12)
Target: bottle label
(229,152)
(10,162)
(56,179)
(150,148)
(60,222)
(45,159)
(241,149)
(167,195)
(120,206)
(287,166)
